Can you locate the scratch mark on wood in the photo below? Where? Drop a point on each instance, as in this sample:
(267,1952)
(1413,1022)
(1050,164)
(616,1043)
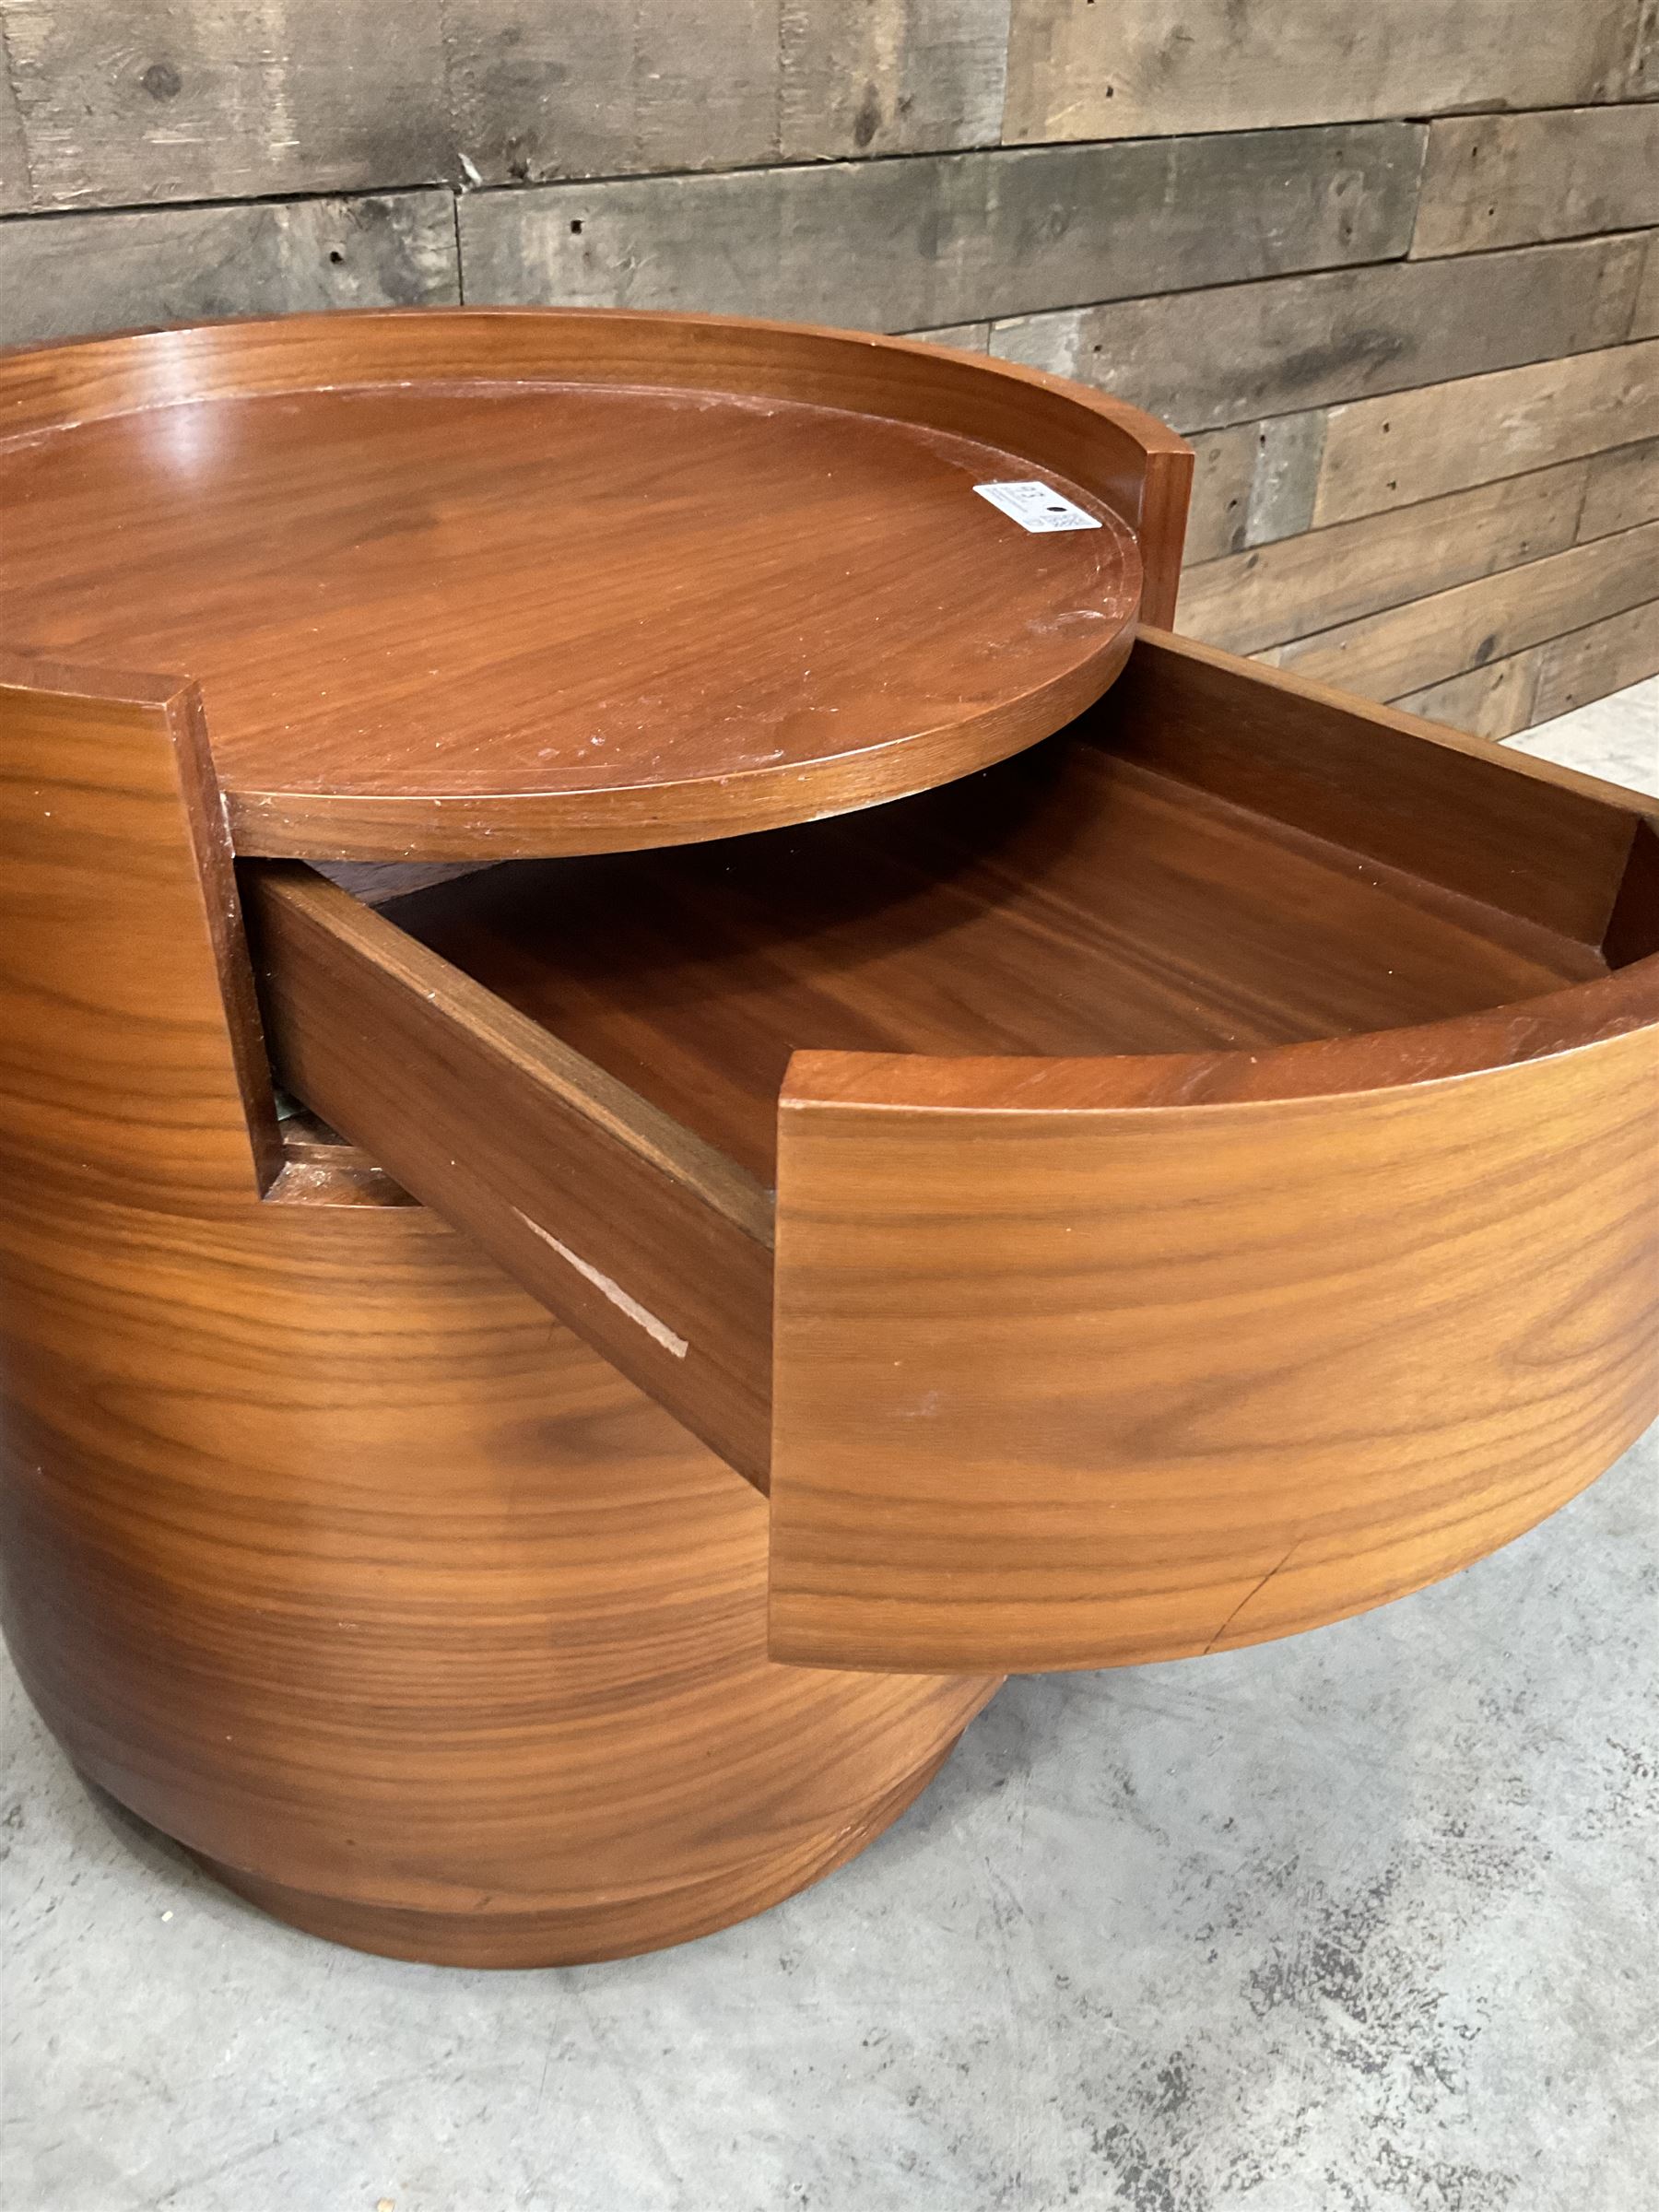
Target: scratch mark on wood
(657,1330)
(1250,1595)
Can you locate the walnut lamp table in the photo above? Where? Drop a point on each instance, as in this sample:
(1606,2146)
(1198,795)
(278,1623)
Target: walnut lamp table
(962,1131)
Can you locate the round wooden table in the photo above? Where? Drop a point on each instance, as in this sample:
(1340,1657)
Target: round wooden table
(1129,1196)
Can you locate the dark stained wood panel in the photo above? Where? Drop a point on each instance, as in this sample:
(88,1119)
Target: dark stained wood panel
(122,105)
(1502,179)
(951,238)
(1148,66)
(126,268)
(1233,353)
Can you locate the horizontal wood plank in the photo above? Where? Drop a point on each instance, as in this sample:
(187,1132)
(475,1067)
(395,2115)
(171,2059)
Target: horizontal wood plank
(1411,445)
(68,275)
(1201,359)
(1510,695)
(1384,655)
(591,89)
(1492,701)
(1504,180)
(945,238)
(1622,489)
(270,96)
(889,77)
(1604,656)
(1145,67)
(1273,593)
(1253,482)
(122,105)
(642,1238)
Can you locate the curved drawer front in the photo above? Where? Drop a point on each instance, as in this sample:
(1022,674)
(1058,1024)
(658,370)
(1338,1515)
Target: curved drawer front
(1078,1386)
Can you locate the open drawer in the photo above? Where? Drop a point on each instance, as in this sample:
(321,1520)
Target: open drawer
(1193,1181)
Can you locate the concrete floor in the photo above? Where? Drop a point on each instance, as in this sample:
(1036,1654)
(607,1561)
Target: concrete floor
(1365,1919)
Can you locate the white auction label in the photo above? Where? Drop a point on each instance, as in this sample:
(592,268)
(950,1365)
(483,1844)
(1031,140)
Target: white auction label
(1037,506)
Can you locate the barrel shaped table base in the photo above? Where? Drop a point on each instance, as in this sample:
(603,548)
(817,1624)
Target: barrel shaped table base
(584,1933)
(331,1557)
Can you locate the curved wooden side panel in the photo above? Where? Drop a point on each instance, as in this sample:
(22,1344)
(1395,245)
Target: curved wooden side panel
(321,1545)
(130,1054)
(1063,1381)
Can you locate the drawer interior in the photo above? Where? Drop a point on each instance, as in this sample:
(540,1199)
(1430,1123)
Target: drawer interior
(1072,902)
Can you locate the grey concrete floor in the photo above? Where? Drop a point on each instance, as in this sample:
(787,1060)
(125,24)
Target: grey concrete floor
(1365,1919)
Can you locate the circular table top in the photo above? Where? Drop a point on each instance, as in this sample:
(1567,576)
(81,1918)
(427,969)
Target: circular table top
(439,618)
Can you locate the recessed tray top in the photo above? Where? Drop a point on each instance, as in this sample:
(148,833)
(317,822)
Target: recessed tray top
(515,584)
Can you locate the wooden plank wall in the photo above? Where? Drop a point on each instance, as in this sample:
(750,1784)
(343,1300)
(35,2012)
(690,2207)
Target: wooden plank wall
(1394,269)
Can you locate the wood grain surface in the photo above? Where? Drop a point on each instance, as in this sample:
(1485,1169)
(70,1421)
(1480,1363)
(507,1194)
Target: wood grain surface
(649,1243)
(1402,648)
(1091,1361)
(1313,582)
(324,1547)
(1218,861)
(1413,445)
(1520,838)
(889,76)
(550,610)
(1105,1382)
(1645,321)
(1496,180)
(1602,657)
(1504,696)
(1493,700)
(120,107)
(1623,489)
(951,238)
(1232,352)
(1215,1165)
(1151,67)
(118,268)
